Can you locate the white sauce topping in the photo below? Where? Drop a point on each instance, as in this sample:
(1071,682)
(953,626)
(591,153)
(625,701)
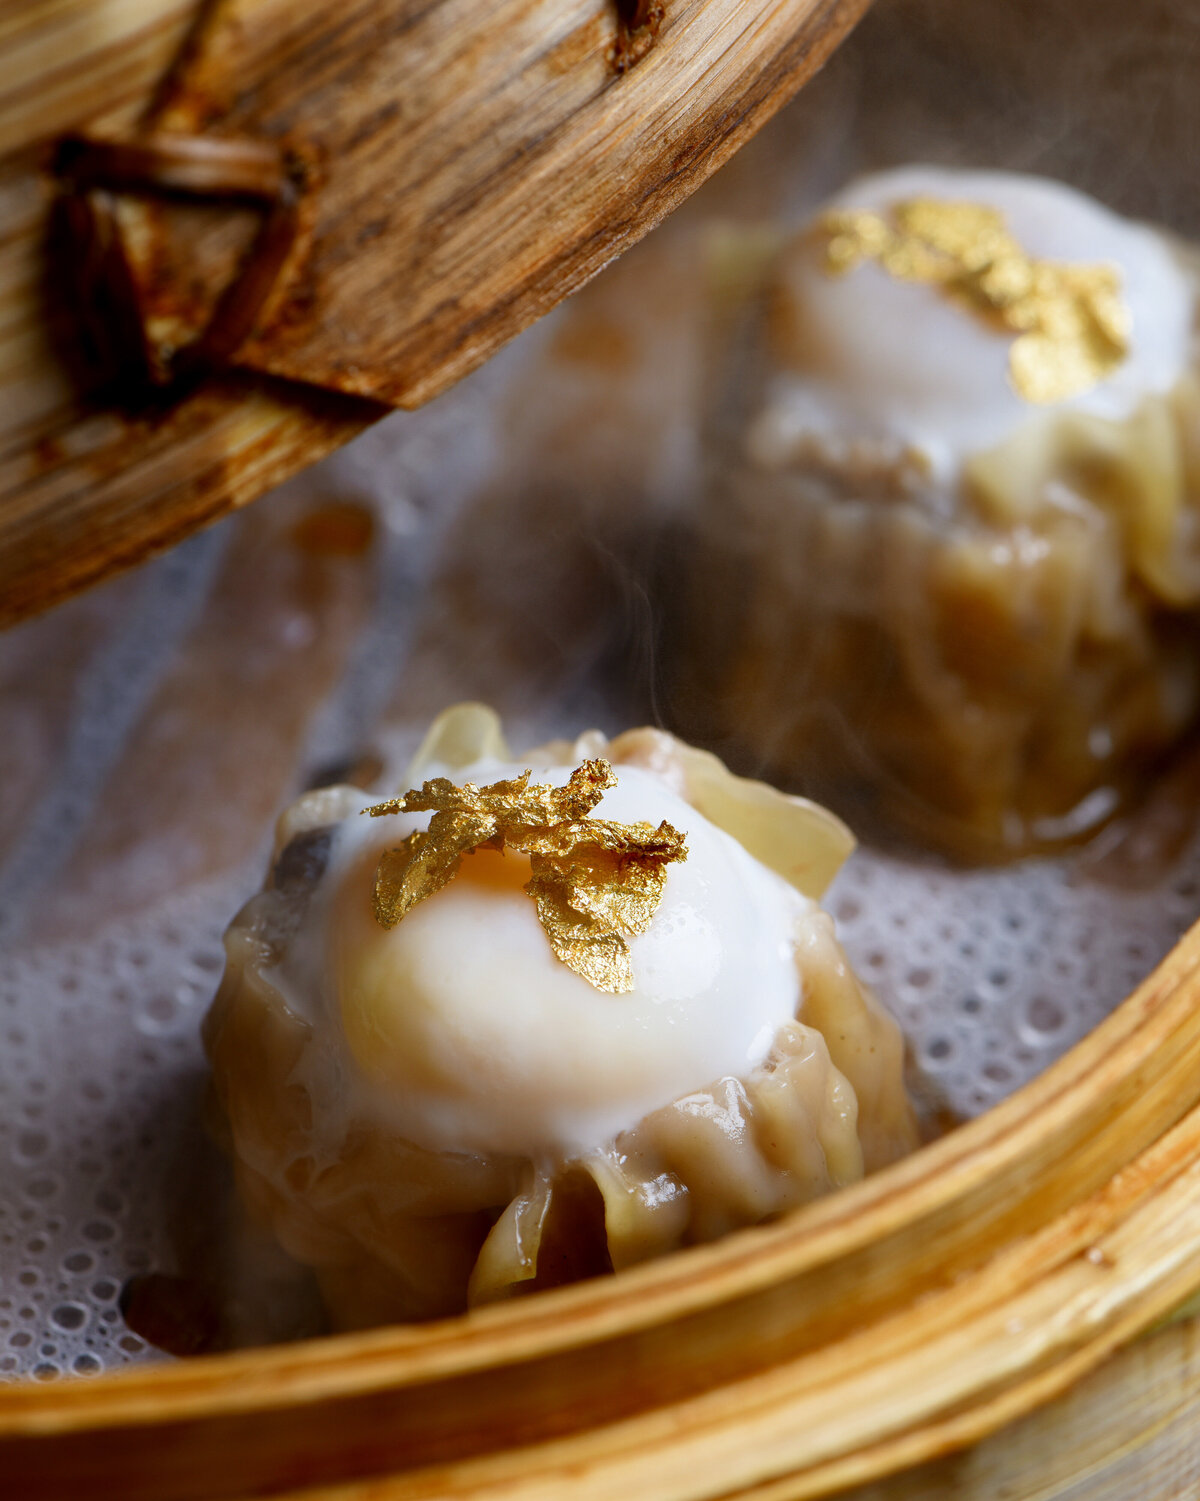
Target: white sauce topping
(870,356)
(467,1033)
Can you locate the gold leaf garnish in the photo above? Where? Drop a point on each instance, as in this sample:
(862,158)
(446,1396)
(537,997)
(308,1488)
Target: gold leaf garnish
(1073,327)
(596,883)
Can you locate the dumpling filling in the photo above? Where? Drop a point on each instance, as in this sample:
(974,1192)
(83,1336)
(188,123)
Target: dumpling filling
(948,581)
(443,1112)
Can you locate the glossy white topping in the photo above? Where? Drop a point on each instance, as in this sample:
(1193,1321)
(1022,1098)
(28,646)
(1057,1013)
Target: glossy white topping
(468,1033)
(866,355)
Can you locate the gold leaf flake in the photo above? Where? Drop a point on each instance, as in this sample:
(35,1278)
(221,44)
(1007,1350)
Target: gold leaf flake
(1072,326)
(596,883)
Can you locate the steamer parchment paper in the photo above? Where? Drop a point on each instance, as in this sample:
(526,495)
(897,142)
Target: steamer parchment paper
(497,546)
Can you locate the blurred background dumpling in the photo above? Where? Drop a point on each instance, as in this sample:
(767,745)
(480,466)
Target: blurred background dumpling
(948,573)
(442,1113)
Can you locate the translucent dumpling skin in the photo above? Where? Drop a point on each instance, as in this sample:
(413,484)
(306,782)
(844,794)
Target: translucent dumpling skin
(946,609)
(444,1117)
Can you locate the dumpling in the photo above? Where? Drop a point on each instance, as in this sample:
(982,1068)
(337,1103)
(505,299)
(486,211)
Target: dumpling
(948,579)
(487,1096)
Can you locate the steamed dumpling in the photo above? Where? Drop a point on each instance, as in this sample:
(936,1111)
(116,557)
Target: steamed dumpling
(927,593)
(443,1113)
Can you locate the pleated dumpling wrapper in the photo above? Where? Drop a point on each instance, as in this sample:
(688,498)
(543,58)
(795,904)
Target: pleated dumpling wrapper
(471,1054)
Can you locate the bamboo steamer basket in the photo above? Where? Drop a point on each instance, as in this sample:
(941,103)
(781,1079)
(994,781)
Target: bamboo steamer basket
(1004,1275)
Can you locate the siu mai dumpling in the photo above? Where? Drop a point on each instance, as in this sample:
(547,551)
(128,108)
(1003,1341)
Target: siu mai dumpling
(555,1015)
(948,579)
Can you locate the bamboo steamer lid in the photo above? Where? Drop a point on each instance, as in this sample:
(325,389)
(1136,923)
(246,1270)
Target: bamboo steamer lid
(439,213)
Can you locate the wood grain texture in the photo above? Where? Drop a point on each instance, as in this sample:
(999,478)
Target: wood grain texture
(86,490)
(66,61)
(899,1320)
(1127,1430)
(475,163)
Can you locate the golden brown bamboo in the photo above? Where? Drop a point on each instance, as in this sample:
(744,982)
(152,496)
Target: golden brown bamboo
(472,162)
(898,1320)
(87,490)
(475,163)
(1128,1429)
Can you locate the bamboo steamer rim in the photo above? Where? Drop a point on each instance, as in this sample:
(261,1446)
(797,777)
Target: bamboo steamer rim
(931,1180)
